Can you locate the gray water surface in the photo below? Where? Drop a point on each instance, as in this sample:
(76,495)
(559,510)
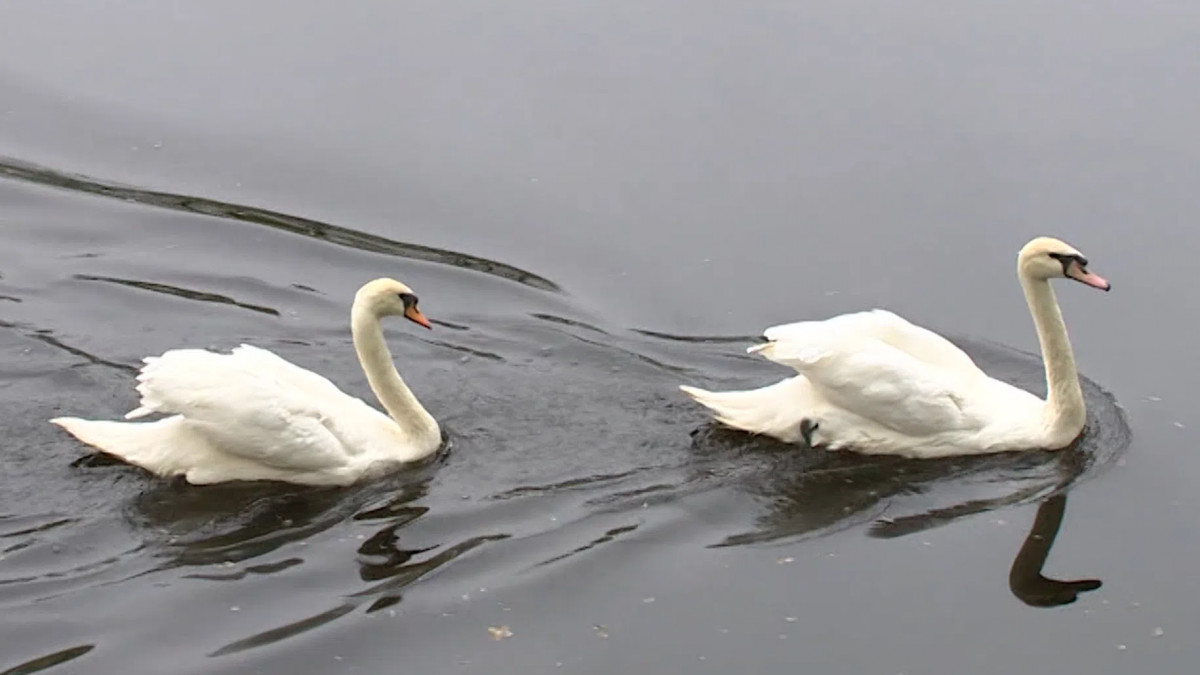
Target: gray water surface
(596,202)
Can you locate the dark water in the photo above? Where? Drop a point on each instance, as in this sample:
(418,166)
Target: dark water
(596,202)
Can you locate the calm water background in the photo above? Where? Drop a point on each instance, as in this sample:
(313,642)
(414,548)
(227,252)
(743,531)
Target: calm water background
(581,192)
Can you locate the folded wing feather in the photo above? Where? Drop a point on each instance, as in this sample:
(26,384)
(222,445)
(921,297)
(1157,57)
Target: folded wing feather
(880,367)
(251,404)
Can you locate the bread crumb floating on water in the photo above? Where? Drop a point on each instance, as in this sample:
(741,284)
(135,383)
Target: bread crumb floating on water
(1159,632)
(499,632)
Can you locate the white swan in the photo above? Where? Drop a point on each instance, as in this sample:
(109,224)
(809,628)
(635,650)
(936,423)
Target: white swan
(874,383)
(251,415)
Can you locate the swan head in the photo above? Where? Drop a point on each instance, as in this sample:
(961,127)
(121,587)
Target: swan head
(388,297)
(1047,258)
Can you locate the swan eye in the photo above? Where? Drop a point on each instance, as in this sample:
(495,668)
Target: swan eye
(1065,259)
(408,299)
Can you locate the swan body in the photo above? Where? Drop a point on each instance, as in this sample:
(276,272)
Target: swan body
(875,383)
(251,415)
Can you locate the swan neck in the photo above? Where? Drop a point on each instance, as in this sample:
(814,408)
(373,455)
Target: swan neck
(376,360)
(1065,411)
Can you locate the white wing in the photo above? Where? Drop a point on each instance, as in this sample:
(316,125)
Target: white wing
(251,404)
(880,367)
(880,324)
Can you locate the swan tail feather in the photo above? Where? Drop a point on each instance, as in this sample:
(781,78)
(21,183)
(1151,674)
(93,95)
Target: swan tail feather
(776,410)
(157,447)
(140,411)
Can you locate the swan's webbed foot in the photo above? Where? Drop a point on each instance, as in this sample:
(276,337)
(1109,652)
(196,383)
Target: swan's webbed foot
(807,427)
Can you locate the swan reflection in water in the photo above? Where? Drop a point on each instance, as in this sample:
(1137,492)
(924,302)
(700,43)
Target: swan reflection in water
(1026,579)
(216,526)
(813,494)
(237,522)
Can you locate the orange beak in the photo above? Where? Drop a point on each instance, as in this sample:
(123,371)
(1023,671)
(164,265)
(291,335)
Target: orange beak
(1081,275)
(413,314)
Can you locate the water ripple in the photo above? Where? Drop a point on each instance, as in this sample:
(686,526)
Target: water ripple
(49,661)
(46,336)
(16,169)
(166,289)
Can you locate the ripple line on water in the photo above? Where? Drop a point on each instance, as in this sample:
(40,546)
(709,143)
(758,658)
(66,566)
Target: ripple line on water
(49,661)
(28,172)
(179,292)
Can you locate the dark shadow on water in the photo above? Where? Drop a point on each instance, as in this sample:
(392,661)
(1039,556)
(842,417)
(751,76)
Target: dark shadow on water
(16,169)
